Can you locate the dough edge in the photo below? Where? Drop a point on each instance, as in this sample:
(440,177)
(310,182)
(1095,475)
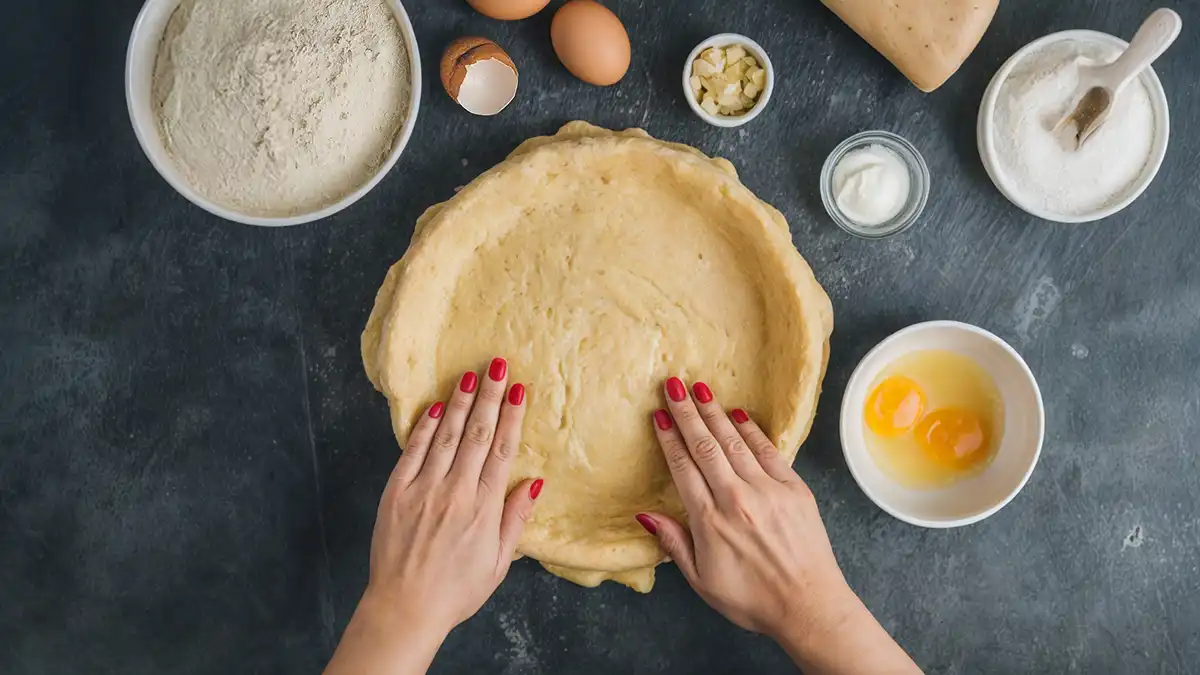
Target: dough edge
(375,348)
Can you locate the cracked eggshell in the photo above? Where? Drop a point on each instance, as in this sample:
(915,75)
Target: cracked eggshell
(478,75)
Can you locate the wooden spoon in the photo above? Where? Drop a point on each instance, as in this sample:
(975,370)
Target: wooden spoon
(1099,86)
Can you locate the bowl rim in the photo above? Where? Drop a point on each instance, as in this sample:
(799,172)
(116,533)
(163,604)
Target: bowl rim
(141,33)
(723,40)
(985,126)
(919,170)
(851,460)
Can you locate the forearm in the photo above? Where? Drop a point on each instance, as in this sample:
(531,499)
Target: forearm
(845,639)
(385,640)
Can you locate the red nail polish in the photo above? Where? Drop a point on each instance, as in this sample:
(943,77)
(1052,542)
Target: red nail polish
(536,488)
(647,522)
(516,395)
(469,381)
(702,392)
(740,416)
(436,410)
(676,390)
(662,419)
(498,369)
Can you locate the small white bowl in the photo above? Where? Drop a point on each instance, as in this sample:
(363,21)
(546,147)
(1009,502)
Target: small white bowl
(755,50)
(985,126)
(139,78)
(971,499)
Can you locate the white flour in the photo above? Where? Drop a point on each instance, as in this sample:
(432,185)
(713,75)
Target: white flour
(279,107)
(1032,100)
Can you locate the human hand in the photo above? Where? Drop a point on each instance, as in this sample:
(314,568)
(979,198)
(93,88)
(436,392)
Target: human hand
(755,548)
(445,533)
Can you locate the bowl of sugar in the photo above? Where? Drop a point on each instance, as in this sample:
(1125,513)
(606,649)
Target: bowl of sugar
(1032,160)
(248,121)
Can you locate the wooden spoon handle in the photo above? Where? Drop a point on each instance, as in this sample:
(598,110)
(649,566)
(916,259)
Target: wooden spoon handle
(1157,33)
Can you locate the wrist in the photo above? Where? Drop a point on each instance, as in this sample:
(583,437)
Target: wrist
(400,617)
(842,637)
(385,637)
(401,625)
(816,612)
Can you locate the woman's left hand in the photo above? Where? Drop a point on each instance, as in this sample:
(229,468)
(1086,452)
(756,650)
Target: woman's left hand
(445,534)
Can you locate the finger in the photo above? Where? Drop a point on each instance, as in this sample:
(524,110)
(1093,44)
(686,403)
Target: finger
(449,432)
(481,424)
(705,449)
(736,450)
(413,456)
(675,540)
(494,477)
(690,483)
(763,449)
(517,510)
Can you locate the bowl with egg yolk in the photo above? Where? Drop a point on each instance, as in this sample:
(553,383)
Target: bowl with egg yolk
(942,424)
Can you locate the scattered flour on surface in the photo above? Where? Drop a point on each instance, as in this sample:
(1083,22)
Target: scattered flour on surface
(1134,539)
(275,108)
(521,656)
(1034,306)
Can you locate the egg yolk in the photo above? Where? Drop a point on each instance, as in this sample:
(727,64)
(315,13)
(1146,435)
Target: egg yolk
(894,406)
(953,437)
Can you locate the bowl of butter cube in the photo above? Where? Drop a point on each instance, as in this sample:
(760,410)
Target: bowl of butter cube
(728,80)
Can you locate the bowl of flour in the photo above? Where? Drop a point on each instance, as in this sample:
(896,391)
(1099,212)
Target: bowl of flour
(273,112)
(1036,165)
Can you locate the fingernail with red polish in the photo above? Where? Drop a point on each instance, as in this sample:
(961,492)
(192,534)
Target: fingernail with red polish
(647,522)
(702,392)
(469,381)
(536,488)
(740,416)
(676,390)
(662,419)
(436,410)
(498,369)
(516,395)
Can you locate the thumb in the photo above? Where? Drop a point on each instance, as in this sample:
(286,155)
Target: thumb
(674,539)
(517,510)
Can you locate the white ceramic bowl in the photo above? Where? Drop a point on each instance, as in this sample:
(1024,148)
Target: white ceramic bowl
(985,127)
(755,50)
(139,75)
(971,499)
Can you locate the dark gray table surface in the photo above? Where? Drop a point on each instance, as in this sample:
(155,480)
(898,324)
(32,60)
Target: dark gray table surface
(192,456)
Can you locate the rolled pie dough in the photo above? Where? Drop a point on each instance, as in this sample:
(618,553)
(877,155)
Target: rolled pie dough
(927,40)
(599,263)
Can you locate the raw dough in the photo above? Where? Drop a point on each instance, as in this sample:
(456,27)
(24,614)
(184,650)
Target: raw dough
(599,263)
(927,40)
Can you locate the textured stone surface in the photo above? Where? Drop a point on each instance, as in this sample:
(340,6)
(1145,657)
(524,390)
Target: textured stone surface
(192,455)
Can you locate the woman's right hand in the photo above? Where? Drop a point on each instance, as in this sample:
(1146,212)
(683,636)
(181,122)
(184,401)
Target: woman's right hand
(754,546)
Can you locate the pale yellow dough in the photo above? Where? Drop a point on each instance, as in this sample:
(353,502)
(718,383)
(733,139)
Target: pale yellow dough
(599,263)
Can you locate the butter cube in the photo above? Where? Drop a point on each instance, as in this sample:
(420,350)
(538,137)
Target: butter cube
(703,68)
(735,72)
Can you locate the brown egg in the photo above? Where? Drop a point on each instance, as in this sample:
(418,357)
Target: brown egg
(591,42)
(508,10)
